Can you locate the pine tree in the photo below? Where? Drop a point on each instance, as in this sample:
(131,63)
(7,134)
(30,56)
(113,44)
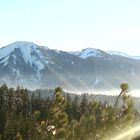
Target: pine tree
(84,105)
(76,108)
(124,89)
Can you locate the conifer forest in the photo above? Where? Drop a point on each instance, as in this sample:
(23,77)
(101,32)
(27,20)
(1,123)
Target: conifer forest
(27,116)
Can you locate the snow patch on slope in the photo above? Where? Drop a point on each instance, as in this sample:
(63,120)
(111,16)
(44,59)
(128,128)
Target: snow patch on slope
(98,79)
(89,52)
(117,53)
(123,54)
(4,60)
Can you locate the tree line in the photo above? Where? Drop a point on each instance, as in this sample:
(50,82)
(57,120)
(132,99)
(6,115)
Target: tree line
(31,117)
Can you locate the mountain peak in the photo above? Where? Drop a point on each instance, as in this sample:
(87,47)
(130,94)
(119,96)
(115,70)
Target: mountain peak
(29,52)
(5,51)
(23,43)
(88,52)
(90,49)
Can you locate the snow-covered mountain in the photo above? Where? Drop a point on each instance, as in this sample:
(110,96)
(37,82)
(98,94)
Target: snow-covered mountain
(33,66)
(30,53)
(22,63)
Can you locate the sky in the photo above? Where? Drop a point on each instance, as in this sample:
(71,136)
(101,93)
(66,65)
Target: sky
(72,25)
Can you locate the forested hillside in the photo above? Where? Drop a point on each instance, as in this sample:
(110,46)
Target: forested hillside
(25,116)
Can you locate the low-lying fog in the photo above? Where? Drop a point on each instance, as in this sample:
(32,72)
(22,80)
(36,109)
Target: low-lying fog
(134,93)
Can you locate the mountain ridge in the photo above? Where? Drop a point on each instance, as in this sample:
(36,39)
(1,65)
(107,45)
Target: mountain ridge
(34,66)
(95,50)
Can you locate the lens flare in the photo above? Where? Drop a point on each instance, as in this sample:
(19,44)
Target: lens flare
(130,134)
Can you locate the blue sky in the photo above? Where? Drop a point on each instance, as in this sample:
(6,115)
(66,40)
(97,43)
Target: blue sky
(72,25)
